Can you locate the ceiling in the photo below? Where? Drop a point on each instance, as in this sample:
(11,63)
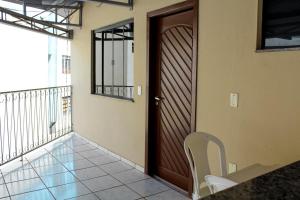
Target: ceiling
(69,2)
(44,2)
(54,17)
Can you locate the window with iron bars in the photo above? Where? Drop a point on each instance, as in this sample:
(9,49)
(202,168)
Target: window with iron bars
(112,60)
(66,64)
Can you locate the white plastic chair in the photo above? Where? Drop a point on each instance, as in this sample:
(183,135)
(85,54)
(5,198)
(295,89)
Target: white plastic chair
(217,184)
(196,146)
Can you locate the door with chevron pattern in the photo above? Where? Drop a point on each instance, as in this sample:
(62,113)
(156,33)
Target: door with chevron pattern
(173,96)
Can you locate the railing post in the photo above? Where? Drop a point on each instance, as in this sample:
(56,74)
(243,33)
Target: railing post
(71,97)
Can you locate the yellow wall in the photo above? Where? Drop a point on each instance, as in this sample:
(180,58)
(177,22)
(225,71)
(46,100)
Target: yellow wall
(264,129)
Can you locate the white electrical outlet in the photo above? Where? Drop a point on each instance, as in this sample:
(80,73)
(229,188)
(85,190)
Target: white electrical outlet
(234,100)
(232,168)
(139,90)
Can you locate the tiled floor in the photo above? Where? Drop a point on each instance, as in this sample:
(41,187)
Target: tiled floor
(77,170)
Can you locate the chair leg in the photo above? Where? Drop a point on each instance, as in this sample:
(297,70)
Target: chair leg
(196,196)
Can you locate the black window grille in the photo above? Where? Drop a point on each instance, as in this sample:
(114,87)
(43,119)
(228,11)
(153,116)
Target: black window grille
(112,60)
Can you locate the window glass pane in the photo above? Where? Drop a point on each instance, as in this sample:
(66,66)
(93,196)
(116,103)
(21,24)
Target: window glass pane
(281,23)
(128,65)
(280,42)
(117,65)
(98,65)
(119,59)
(108,63)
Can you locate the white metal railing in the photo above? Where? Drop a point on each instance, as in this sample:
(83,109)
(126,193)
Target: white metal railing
(32,118)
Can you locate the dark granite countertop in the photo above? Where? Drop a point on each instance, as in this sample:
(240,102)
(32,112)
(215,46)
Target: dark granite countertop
(281,184)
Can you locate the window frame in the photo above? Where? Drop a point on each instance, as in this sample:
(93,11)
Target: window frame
(93,60)
(66,64)
(260,45)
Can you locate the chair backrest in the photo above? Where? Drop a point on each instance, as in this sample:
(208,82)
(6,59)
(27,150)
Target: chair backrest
(217,184)
(196,149)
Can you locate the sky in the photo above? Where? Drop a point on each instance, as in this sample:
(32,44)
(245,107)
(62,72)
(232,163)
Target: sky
(24,56)
(23,59)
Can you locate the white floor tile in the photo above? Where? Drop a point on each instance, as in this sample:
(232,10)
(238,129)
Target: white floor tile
(19,175)
(130,176)
(3,191)
(78,164)
(59,179)
(148,187)
(92,153)
(50,170)
(101,183)
(89,173)
(170,194)
(116,167)
(86,197)
(107,176)
(37,195)
(103,160)
(25,186)
(69,191)
(118,193)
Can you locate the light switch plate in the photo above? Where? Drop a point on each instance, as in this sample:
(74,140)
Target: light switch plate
(139,90)
(234,100)
(232,168)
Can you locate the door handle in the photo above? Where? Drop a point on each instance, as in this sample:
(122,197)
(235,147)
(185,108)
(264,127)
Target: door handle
(158,98)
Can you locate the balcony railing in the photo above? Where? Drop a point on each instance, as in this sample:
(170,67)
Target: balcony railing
(30,119)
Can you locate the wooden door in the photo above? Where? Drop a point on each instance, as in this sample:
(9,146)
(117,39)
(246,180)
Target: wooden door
(173,96)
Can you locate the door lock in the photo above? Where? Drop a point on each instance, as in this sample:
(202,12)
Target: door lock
(157,100)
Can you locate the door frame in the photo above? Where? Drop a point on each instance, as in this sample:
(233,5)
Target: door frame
(151,24)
